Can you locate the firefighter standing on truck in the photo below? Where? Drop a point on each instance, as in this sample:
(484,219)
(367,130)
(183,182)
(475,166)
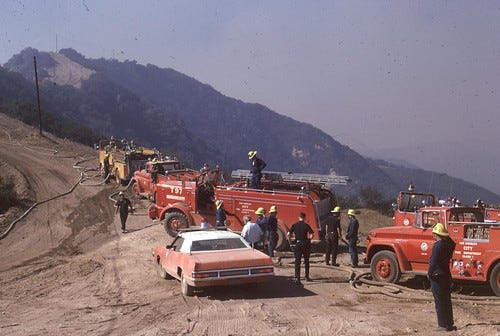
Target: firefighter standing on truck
(303,235)
(440,276)
(256,170)
(332,231)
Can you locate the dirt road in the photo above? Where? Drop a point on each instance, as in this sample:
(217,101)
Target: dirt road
(66,269)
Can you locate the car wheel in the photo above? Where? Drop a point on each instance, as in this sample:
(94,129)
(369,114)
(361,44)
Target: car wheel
(174,221)
(161,272)
(495,279)
(384,267)
(282,243)
(186,289)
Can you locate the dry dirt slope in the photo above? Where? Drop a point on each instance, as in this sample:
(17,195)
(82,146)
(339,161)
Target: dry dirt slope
(65,270)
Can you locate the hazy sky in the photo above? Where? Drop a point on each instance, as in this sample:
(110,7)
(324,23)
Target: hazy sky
(373,74)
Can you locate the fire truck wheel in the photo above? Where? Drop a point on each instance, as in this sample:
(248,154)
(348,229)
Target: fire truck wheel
(173,222)
(495,279)
(101,169)
(185,288)
(117,177)
(282,244)
(384,267)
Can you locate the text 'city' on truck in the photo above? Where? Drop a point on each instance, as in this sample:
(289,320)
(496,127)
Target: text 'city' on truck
(184,197)
(406,246)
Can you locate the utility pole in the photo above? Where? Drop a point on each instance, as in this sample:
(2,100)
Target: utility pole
(38,97)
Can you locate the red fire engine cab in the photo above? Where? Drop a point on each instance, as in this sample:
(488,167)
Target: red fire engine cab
(406,246)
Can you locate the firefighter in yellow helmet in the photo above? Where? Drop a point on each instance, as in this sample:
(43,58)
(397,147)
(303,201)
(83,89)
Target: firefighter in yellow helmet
(256,169)
(220,215)
(440,276)
(272,227)
(352,237)
(154,170)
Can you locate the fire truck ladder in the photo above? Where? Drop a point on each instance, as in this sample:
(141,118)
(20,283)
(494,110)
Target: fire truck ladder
(293,177)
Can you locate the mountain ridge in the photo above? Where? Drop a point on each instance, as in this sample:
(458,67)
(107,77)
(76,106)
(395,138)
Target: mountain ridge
(165,108)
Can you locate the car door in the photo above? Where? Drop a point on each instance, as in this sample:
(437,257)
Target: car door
(173,256)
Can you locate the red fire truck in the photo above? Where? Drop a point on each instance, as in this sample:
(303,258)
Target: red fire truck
(406,246)
(184,198)
(144,185)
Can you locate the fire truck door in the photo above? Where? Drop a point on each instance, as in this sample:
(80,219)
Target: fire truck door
(419,246)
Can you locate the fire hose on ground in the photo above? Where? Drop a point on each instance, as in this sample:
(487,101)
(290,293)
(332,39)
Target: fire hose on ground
(394,290)
(11,226)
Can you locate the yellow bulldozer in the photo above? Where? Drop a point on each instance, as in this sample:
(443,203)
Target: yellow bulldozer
(119,159)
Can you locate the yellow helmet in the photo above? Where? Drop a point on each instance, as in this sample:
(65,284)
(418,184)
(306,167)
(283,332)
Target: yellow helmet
(154,161)
(273,209)
(336,209)
(251,154)
(440,230)
(351,212)
(218,203)
(260,211)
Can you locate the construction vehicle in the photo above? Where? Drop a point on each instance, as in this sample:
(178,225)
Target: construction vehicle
(406,246)
(184,198)
(123,159)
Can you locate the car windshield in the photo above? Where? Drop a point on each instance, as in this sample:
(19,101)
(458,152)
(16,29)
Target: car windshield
(217,244)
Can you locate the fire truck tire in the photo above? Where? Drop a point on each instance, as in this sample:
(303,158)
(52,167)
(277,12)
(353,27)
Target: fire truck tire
(282,243)
(495,279)
(174,221)
(186,289)
(101,170)
(384,267)
(117,177)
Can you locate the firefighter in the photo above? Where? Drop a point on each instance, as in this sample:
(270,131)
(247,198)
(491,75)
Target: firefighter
(272,230)
(256,170)
(440,276)
(220,214)
(124,206)
(264,227)
(352,237)
(303,235)
(205,168)
(154,170)
(106,166)
(332,232)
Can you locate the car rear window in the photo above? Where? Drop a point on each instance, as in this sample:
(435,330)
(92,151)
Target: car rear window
(217,244)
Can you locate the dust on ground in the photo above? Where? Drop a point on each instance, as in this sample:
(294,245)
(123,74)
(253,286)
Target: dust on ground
(66,269)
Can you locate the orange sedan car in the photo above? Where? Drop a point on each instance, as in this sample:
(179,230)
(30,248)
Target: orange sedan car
(211,258)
